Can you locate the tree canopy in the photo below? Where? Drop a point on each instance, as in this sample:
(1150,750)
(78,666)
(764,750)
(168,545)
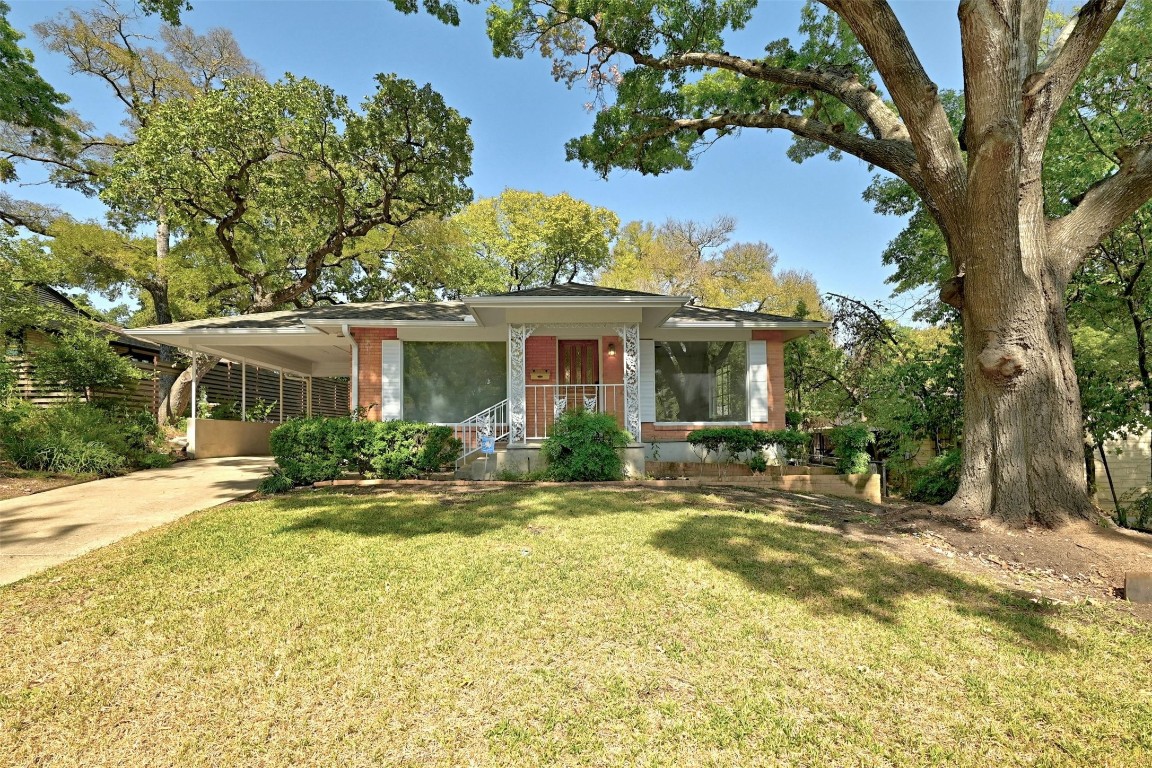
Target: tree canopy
(280,177)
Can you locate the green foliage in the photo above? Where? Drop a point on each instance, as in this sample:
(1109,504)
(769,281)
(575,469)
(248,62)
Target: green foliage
(81,360)
(315,449)
(277,482)
(1135,511)
(319,448)
(79,438)
(792,442)
(937,481)
(850,442)
(757,463)
(26,100)
(261,410)
(274,180)
(724,442)
(689,258)
(400,449)
(585,446)
(529,239)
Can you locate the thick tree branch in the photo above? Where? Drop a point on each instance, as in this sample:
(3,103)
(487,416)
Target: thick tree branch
(894,156)
(915,95)
(881,120)
(1103,208)
(1046,89)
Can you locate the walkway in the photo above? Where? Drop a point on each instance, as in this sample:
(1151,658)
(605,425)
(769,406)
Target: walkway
(44,529)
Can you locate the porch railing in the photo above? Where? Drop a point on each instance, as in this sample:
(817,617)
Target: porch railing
(491,422)
(545,402)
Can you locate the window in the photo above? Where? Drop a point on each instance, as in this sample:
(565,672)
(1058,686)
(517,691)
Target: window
(701,381)
(446,382)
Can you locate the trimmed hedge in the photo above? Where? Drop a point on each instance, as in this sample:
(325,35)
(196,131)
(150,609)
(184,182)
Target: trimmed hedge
(735,441)
(320,448)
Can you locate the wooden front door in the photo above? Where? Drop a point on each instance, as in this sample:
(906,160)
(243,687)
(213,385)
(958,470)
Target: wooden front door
(579,362)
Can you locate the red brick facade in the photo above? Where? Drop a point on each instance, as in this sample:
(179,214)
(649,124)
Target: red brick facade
(368,381)
(774,348)
(540,355)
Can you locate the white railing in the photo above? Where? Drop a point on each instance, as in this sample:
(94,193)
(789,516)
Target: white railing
(490,423)
(543,403)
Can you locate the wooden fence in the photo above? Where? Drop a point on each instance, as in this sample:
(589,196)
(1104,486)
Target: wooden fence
(223,384)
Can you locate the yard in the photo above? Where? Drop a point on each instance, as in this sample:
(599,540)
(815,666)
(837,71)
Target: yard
(554,626)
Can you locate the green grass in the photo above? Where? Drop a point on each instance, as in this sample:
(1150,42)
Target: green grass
(550,626)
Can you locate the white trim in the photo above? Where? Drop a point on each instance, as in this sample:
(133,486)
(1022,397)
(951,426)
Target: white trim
(701,423)
(782,325)
(647,375)
(391,379)
(355,369)
(756,384)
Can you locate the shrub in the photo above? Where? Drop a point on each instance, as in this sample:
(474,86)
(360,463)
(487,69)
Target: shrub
(82,361)
(757,463)
(937,481)
(585,446)
(277,482)
(77,438)
(793,443)
(849,442)
(402,449)
(319,448)
(1135,512)
(725,441)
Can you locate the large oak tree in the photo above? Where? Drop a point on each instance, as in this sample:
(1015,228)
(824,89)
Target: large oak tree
(670,86)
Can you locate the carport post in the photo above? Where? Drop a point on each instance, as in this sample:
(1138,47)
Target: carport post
(308,394)
(243,391)
(192,422)
(281,395)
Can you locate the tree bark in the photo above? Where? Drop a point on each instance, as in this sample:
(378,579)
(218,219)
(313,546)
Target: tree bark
(180,394)
(1023,462)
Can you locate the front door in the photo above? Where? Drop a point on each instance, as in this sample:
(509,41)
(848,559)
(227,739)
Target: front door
(579,362)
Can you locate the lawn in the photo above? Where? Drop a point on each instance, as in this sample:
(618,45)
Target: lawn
(550,626)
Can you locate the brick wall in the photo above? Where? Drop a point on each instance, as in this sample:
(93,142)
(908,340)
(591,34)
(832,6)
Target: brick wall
(777,399)
(539,355)
(368,340)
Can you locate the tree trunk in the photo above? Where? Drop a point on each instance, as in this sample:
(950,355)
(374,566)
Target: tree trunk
(181,393)
(1023,435)
(163,308)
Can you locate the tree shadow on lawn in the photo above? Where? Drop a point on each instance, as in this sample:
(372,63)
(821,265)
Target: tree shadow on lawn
(464,512)
(825,572)
(831,575)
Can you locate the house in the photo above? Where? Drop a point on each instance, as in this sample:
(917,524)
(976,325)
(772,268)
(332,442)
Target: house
(506,365)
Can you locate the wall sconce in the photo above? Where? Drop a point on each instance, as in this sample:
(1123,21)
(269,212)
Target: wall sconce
(611,349)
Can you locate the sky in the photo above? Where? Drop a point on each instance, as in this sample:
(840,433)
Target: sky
(812,214)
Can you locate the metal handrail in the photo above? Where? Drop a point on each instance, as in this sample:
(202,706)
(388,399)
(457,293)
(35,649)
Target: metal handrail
(545,402)
(490,422)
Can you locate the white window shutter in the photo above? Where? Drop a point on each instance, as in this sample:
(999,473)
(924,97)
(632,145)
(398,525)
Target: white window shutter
(391,380)
(647,380)
(757,381)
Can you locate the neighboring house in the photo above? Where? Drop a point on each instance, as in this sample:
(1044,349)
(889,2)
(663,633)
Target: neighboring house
(508,364)
(142,353)
(229,382)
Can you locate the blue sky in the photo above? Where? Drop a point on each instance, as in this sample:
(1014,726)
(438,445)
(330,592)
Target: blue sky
(811,214)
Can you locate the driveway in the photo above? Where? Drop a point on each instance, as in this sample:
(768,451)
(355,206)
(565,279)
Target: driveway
(44,529)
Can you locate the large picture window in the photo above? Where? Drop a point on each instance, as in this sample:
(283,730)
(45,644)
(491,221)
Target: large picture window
(446,382)
(701,381)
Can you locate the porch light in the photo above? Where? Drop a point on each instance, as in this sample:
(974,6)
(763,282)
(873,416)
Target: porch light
(611,349)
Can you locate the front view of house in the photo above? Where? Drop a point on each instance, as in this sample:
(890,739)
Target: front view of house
(507,365)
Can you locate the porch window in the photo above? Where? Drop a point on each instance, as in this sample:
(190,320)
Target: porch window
(446,382)
(701,381)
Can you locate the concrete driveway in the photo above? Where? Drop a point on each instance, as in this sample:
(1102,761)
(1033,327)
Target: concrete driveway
(47,528)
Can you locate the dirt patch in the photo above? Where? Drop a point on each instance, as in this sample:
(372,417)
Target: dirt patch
(16,482)
(1081,562)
